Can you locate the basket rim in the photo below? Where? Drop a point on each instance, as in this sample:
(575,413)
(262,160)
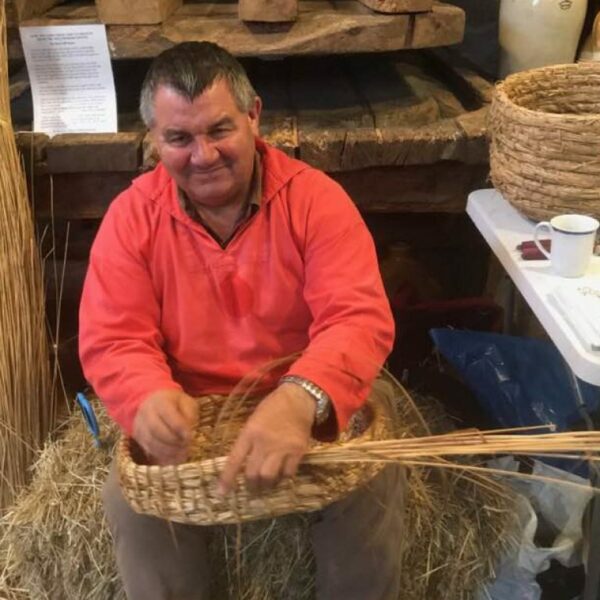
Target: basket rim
(501,95)
(125,441)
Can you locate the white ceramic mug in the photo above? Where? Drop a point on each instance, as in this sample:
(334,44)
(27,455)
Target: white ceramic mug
(573,238)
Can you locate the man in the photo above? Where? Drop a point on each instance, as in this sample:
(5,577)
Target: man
(228,255)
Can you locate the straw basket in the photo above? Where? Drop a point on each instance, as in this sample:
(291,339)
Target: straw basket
(187,493)
(545,140)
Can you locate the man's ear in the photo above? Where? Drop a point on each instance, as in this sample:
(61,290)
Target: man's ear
(254,115)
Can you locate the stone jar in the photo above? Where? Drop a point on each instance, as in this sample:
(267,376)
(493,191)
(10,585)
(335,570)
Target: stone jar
(536,33)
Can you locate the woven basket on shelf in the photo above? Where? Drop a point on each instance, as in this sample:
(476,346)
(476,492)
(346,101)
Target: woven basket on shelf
(544,126)
(187,493)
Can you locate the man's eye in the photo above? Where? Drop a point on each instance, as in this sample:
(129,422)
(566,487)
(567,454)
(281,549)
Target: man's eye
(220,132)
(178,140)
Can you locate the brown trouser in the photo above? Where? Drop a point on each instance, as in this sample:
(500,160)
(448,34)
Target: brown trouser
(357,545)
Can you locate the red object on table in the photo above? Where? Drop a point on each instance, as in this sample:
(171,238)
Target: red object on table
(529,251)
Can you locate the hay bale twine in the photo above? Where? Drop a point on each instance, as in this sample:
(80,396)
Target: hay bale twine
(544,126)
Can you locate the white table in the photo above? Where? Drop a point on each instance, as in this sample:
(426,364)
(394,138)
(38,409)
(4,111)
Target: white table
(503,229)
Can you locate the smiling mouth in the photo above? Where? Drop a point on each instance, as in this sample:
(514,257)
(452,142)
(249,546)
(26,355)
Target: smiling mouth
(206,172)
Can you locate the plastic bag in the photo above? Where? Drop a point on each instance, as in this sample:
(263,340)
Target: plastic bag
(561,509)
(518,381)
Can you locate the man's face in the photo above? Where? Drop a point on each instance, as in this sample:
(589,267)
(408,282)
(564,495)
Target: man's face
(207,145)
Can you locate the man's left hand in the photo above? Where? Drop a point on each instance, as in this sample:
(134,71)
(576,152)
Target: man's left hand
(273,441)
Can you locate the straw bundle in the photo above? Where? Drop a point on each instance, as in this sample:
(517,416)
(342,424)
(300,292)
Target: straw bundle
(54,543)
(26,405)
(545,140)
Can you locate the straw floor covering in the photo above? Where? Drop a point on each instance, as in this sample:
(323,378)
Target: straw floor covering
(54,544)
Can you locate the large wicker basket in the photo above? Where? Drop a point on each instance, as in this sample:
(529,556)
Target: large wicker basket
(187,493)
(545,140)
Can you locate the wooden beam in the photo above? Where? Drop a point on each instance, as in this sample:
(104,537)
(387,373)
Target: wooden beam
(399,6)
(97,152)
(32,147)
(323,27)
(268,11)
(398,93)
(442,23)
(77,195)
(132,12)
(278,123)
(27,9)
(439,188)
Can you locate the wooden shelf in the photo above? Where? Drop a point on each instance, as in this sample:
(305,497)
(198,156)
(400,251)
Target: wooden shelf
(406,134)
(323,27)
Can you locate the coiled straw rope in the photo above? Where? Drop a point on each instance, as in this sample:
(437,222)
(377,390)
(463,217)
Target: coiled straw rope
(544,127)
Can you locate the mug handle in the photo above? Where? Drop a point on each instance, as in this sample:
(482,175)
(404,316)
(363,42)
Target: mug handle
(536,232)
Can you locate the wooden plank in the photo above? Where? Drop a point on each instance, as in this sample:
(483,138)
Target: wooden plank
(323,119)
(278,123)
(396,98)
(32,147)
(398,6)
(323,27)
(268,11)
(472,89)
(98,152)
(407,132)
(78,195)
(18,84)
(11,14)
(474,126)
(415,69)
(149,153)
(439,188)
(136,12)
(444,24)
(26,9)
(348,149)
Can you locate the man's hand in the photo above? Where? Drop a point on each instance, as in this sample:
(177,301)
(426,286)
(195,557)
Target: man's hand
(164,426)
(273,441)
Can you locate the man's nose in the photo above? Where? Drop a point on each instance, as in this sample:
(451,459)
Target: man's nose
(204,153)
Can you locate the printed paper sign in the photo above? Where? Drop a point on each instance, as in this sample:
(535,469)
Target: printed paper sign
(71,79)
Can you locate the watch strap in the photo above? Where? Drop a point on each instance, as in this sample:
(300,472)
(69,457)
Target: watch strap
(321,397)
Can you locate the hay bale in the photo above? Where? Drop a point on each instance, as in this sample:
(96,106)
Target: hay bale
(55,544)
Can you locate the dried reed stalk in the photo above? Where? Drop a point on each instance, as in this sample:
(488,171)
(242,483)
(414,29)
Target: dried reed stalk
(461,443)
(27,409)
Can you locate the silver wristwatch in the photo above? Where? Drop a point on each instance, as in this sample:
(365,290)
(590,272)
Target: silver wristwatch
(321,398)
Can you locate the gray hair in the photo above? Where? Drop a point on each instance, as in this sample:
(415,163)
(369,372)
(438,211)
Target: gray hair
(189,69)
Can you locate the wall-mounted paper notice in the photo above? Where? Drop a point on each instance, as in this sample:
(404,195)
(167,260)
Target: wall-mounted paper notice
(71,79)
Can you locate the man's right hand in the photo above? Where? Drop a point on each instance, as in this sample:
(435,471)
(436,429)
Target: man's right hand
(164,426)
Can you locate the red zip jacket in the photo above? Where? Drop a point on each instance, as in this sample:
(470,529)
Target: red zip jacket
(164,306)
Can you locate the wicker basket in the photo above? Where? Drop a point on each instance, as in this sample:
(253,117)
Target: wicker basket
(187,493)
(545,140)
